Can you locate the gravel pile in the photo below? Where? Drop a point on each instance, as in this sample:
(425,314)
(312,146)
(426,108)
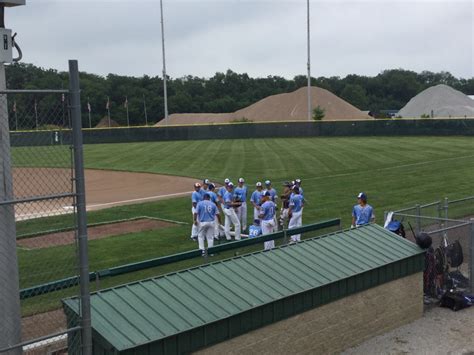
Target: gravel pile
(442,101)
(291,106)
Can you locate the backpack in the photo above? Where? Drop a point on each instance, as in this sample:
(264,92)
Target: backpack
(456,300)
(454,254)
(396,227)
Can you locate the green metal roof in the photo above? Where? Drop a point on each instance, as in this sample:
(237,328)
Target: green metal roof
(161,310)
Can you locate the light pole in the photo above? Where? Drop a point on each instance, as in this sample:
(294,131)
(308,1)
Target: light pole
(309,62)
(10,316)
(164,62)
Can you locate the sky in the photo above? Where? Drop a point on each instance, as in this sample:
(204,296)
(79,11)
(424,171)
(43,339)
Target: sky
(259,37)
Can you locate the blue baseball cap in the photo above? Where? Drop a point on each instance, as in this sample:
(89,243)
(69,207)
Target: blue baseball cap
(268,182)
(206,195)
(256,221)
(267,193)
(362,196)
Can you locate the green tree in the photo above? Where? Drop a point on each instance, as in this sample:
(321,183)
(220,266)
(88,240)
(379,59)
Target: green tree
(318,113)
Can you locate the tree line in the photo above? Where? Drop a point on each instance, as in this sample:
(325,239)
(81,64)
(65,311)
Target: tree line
(223,92)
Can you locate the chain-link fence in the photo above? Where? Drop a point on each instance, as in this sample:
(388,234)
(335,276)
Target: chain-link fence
(39,194)
(451,227)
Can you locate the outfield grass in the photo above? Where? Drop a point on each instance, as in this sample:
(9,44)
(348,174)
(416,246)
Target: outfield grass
(394,172)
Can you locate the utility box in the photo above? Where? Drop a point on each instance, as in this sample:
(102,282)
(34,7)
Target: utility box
(11,3)
(6,51)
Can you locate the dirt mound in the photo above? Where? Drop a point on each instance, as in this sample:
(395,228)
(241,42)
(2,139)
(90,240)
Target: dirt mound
(291,106)
(104,123)
(442,100)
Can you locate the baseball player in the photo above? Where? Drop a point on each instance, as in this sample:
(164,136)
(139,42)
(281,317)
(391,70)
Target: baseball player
(240,193)
(295,213)
(298,183)
(256,199)
(285,205)
(204,217)
(196,197)
(229,212)
(273,197)
(362,213)
(267,215)
(213,198)
(205,186)
(221,192)
(255,230)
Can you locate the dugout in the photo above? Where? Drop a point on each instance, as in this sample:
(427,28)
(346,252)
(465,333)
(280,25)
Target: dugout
(321,295)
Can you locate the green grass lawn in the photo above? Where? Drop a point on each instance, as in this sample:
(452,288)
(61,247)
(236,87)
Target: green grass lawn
(394,172)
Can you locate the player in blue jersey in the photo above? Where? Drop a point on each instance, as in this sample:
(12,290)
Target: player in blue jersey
(204,217)
(214,199)
(273,198)
(240,194)
(267,215)
(295,212)
(255,230)
(229,212)
(222,190)
(196,197)
(205,186)
(298,184)
(362,213)
(256,199)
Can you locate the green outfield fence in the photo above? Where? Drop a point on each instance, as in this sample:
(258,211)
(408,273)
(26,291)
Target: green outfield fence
(128,268)
(389,127)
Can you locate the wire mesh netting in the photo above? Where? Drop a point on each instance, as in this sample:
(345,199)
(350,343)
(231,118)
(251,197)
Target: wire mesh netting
(41,203)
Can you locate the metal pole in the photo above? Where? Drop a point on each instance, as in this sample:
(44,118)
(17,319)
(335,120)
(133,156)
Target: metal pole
(471,256)
(36,114)
(89,111)
(418,219)
(164,62)
(446,215)
(126,107)
(108,109)
(80,206)
(16,119)
(146,115)
(309,64)
(10,316)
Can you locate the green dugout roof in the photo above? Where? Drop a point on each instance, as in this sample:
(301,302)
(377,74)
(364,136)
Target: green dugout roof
(198,307)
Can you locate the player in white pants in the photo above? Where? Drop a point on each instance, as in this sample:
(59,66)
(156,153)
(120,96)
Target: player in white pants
(196,197)
(206,212)
(256,200)
(296,212)
(273,198)
(229,212)
(240,193)
(267,215)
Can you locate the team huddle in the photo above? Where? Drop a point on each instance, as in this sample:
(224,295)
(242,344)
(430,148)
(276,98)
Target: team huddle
(232,200)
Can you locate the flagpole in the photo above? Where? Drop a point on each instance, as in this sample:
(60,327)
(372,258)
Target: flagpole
(126,106)
(16,116)
(89,110)
(64,116)
(309,64)
(108,109)
(144,106)
(164,62)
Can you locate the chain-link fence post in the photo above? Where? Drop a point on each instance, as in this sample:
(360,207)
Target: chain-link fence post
(446,214)
(418,219)
(471,256)
(10,318)
(76,118)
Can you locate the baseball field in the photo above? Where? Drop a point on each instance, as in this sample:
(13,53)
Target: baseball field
(394,172)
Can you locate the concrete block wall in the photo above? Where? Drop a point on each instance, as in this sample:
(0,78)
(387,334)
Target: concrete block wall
(336,326)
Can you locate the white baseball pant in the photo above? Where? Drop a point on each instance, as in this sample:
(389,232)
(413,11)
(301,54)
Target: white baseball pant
(267,228)
(216,228)
(206,231)
(296,220)
(242,215)
(256,213)
(231,216)
(284,217)
(194,228)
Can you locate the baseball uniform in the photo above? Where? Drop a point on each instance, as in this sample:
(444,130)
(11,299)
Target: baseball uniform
(196,197)
(230,216)
(363,215)
(206,213)
(257,199)
(267,214)
(296,220)
(255,231)
(240,193)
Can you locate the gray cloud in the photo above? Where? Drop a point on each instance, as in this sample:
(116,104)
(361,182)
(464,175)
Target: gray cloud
(258,37)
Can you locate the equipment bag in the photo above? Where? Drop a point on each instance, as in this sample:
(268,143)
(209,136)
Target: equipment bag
(456,300)
(454,254)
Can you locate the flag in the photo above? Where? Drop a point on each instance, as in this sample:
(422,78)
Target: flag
(107,105)
(125,104)
(89,106)
(14,106)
